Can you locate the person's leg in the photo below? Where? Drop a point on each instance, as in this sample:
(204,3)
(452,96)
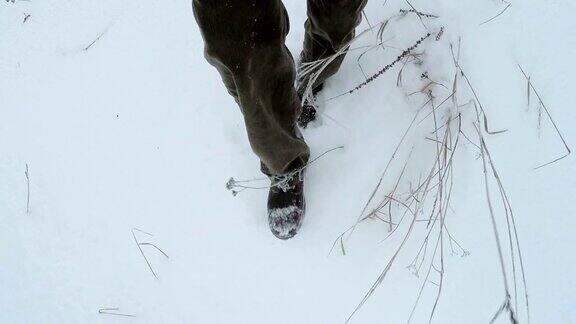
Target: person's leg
(329,27)
(244,40)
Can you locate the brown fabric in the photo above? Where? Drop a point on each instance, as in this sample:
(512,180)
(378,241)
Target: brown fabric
(329,27)
(244,40)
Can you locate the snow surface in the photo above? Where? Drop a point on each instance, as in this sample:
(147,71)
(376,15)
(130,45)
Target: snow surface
(138,132)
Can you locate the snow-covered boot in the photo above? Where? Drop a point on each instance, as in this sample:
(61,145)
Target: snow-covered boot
(308,113)
(286,204)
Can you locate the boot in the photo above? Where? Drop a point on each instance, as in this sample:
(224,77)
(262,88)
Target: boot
(286,204)
(308,113)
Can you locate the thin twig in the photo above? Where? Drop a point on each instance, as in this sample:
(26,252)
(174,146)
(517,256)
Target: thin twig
(568,151)
(232,183)
(498,15)
(417,13)
(140,244)
(99,36)
(113,311)
(27,173)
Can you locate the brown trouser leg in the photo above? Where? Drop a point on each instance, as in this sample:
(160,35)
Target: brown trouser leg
(244,40)
(329,27)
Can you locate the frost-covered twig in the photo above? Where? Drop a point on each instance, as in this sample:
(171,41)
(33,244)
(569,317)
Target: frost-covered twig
(405,53)
(406,11)
(485,161)
(485,118)
(280,181)
(419,14)
(433,194)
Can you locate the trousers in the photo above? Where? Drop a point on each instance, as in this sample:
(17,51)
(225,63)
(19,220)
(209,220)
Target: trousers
(244,41)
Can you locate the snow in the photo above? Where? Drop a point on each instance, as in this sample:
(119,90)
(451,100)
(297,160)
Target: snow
(138,132)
